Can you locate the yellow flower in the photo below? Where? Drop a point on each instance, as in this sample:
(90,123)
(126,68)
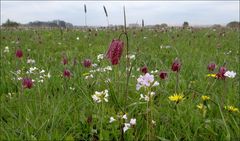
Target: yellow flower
(176,97)
(200,106)
(205,98)
(231,108)
(212,75)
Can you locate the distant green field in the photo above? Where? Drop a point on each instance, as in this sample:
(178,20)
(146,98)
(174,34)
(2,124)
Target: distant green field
(62,108)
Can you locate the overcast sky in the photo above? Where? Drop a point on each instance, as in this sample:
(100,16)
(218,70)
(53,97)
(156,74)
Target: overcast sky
(153,12)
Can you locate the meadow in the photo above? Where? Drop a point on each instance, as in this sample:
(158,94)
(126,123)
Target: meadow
(48,91)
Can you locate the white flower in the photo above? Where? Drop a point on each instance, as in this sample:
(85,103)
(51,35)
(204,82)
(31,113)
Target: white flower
(100,57)
(100,96)
(126,127)
(6,50)
(18,71)
(155,84)
(71,88)
(31,61)
(94,65)
(48,75)
(124,116)
(77,38)
(28,49)
(133,121)
(230,74)
(153,122)
(112,119)
(42,71)
(131,56)
(156,71)
(89,76)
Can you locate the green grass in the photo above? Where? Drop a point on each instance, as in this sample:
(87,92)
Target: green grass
(52,111)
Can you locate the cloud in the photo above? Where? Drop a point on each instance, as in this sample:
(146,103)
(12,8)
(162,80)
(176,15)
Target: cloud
(153,12)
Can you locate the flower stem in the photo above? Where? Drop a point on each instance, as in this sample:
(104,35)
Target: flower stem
(177,83)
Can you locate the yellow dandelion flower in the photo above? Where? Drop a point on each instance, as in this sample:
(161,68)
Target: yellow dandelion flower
(205,98)
(176,97)
(212,75)
(230,108)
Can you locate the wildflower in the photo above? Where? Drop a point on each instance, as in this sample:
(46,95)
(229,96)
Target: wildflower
(89,76)
(6,50)
(144,69)
(200,106)
(145,81)
(65,61)
(31,61)
(48,75)
(176,98)
(221,73)
(115,51)
(155,84)
(205,98)
(211,66)
(124,116)
(19,53)
(176,65)
(100,57)
(126,127)
(27,83)
(231,109)
(72,88)
(230,74)
(100,96)
(212,75)
(112,119)
(156,71)
(163,75)
(77,38)
(131,57)
(42,71)
(66,73)
(87,63)
(133,121)
(145,97)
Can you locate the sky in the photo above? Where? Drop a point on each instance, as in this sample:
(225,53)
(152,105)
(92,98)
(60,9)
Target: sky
(153,12)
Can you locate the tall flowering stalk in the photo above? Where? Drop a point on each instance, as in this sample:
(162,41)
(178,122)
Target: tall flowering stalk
(115,51)
(100,97)
(105,11)
(147,82)
(85,11)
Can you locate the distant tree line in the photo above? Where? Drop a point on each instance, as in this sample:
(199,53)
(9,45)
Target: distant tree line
(54,23)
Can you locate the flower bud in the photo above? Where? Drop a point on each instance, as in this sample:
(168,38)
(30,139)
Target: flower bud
(176,65)
(19,53)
